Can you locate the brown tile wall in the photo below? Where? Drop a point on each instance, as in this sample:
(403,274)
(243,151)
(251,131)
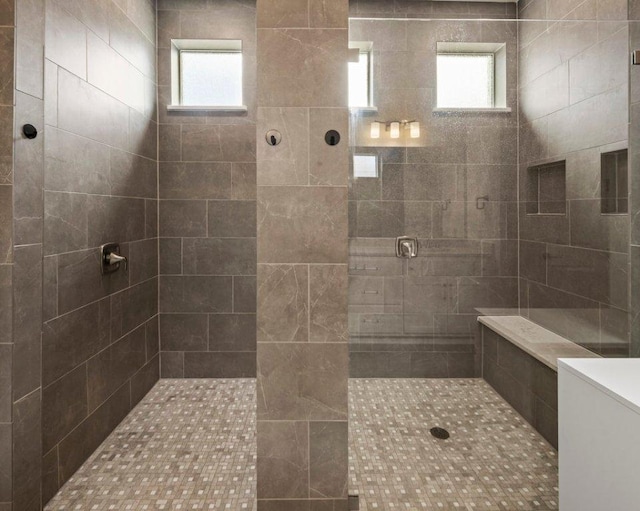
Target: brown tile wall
(207,191)
(573,89)
(100,333)
(92,176)
(28,167)
(527,384)
(454,188)
(302,255)
(634,170)
(7,81)
(430,9)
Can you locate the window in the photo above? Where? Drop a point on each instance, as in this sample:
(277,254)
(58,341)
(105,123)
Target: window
(210,78)
(365,165)
(465,80)
(360,86)
(206,74)
(471,75)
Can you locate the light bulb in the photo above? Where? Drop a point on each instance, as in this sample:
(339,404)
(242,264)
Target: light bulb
(395,130)
(414,129)
(375,129)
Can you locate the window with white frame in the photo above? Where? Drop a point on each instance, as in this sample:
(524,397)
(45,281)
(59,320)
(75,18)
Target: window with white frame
(471,75)
(360,83)
(365,165)
(206,73)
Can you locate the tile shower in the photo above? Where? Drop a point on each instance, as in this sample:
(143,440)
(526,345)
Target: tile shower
(260,279)
(454,188)
(466,192)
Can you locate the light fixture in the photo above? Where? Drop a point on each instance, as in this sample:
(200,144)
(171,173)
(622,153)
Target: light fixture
(375,129)
(394,129)
(414,129)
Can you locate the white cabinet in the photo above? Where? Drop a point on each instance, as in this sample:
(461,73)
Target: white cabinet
(599,434)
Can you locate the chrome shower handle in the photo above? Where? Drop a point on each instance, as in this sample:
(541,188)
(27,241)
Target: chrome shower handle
(113,258)
(405,249)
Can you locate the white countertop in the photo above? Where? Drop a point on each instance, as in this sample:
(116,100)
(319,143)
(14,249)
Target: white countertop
(617,377)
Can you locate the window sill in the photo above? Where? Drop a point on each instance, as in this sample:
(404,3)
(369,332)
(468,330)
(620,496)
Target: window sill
(472,110)
(364,109)
(197,108)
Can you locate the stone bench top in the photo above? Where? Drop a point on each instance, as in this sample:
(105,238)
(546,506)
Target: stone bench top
(535,340)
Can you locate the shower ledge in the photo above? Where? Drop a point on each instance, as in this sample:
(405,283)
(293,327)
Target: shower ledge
(542,344)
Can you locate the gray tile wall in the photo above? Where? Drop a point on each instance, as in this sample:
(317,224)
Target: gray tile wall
(302,256)
(100,333)
(634,180)
(454,188)
(207,191)
(527,384)
(430,9)
(27,255)
(7,81)
(573,90)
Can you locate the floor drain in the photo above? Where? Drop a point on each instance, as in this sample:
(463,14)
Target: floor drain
(440,433)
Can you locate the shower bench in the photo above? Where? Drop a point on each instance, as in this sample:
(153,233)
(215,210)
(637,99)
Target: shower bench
(520,361)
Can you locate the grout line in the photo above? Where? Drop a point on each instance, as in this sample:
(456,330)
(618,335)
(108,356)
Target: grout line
(26,396)
(93,412)
(86,375)
(309,458)
(98,300)
(308,303)
(59,467)
(233,288)
(84,362)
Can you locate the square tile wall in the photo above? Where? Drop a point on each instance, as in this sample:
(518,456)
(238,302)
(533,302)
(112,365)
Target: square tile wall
(302,254)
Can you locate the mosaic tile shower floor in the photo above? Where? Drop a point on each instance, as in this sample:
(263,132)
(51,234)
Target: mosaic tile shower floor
(494,460)
(190,445)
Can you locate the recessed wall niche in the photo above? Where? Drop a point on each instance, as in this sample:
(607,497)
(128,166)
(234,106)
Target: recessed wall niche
(614,183)
(547,189)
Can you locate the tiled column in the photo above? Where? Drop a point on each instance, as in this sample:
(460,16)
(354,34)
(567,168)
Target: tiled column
(302,256)
(28,174)
(7,37)
(634,182)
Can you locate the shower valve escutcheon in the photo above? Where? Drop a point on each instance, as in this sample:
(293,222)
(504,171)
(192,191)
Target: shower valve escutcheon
(111,259)
(406,247)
